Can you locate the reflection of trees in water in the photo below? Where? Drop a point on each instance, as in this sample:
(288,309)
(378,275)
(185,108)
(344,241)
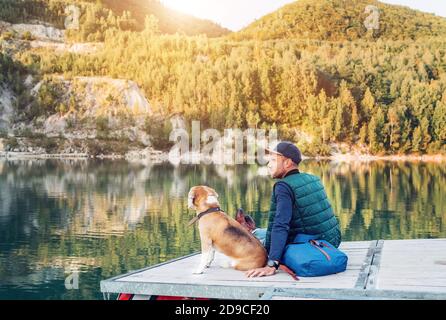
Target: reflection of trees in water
(77,210)
(385,199)
(119,216)
(88,197)
(112,196)
(89,192)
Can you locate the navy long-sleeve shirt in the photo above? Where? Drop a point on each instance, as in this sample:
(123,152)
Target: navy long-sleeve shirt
(281,225)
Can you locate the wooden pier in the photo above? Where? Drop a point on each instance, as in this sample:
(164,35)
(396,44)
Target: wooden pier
(390,269)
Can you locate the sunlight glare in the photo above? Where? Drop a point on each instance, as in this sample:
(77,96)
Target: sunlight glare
(197,8)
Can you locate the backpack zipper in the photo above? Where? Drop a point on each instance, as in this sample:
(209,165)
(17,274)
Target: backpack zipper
(315,244)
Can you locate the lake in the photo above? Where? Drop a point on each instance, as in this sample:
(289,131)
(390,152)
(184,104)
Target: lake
(103,218)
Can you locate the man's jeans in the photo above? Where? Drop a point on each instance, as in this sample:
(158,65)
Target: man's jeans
(260,234)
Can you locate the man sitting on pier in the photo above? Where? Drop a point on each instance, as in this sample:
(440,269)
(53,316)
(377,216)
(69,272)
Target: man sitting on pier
(299,205)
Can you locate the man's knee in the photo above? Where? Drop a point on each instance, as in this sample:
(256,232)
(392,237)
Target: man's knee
(260,234)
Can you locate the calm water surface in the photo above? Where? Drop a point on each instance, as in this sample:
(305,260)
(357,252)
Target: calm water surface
(105,218)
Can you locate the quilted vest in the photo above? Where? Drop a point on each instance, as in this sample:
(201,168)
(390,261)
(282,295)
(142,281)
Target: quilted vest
(312,212)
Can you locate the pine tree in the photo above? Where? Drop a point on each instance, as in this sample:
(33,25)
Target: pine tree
(368,104)
(350,113)
(339,127)
(394,128)
(426,137)
(363,134)
(417,139)
(151,25)
(373,136)
(439,122)
(376,132)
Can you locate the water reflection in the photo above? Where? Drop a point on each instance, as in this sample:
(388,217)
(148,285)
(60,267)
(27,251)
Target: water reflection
(103,218)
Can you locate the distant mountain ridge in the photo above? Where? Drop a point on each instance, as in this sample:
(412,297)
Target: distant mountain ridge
(170,20)
(53,11)
(340,20)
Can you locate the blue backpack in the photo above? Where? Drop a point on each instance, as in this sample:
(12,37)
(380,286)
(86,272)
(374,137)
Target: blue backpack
(309,257)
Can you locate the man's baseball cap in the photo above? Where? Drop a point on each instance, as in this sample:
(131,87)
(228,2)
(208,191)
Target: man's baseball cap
(288,150)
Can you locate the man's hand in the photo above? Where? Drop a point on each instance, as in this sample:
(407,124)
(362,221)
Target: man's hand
(261,272)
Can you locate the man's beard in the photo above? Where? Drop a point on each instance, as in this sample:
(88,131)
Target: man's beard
(277,175)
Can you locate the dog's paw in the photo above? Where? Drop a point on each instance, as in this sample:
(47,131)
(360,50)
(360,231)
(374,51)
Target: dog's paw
(198,271)
(226,264)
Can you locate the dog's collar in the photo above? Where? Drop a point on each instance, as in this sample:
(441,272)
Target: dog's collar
(200,215)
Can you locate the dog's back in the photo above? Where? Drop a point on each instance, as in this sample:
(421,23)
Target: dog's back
(234,241)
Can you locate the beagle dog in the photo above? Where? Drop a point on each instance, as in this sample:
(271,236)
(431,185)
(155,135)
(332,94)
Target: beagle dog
(220,232)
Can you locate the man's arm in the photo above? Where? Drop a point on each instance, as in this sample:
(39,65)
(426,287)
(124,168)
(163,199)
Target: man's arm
(279,233)
(281,226)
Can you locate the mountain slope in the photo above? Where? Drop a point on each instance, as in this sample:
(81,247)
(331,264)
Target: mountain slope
(53,11)
(339,20)
(170,21)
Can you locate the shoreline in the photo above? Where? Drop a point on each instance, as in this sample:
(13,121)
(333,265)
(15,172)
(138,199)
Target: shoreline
(160,157)
(392,158)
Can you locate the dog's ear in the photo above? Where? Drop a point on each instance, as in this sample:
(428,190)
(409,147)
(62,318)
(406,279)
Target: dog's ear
(240,216)
(190,199)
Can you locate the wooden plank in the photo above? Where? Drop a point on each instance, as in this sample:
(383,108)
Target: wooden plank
(375,266)
(176,278)
(413,265)
(410,269)
(348,294)
(361,282)
(152,267)
(181,272)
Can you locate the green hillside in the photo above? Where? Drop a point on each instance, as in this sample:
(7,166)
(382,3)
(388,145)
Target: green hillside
(338,20)
(384,97)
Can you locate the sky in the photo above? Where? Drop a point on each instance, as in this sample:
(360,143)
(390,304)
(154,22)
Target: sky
(237,14)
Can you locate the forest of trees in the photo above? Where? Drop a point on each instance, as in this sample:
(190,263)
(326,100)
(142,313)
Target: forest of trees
(340,20)
(389,96)
(12,74)
(99,15)
(23,11)
(384,96)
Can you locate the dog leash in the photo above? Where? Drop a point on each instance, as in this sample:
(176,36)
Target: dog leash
(289,271)
(200,215)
